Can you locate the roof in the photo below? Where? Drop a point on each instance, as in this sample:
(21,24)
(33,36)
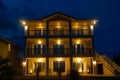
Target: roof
(7,41)
(58,16)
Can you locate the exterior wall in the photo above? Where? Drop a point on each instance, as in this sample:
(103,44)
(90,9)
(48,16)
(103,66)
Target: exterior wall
(10,51)
(3,48)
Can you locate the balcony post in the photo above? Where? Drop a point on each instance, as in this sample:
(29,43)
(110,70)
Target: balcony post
(70,44)
(47,48)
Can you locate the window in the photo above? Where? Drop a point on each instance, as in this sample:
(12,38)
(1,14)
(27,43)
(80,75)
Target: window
(59,65)
(39,49)
(78,49)
(58,49)
(9,47)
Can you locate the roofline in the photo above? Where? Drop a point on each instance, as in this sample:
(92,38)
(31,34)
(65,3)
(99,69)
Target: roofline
(2,38)
(41,19)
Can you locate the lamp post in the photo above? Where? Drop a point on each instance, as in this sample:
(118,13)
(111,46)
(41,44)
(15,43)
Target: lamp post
(24,67)
(94,67)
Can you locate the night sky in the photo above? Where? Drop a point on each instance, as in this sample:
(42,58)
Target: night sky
(107,31)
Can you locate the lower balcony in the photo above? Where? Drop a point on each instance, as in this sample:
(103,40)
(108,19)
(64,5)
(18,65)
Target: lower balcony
(82,52)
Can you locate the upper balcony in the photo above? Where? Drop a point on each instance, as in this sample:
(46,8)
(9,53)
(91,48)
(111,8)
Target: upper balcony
(58,28)
(81,33)
(82,29)
(37,33)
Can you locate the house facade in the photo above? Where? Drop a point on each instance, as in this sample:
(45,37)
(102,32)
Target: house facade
(10,51)
(61,42)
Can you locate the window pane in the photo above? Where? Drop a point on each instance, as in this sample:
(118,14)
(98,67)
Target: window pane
(55,66)
(62,66)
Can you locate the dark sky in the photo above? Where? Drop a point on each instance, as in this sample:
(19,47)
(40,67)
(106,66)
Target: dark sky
(107,31)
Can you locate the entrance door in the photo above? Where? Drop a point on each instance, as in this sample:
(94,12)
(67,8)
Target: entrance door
(100,68)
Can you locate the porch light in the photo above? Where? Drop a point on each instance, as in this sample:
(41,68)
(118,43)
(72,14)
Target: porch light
(31,71)
(39,42)
(23,22)
(58,42)
(94,62)
(39,59)
(79,60)
(24,63)
(78,42)
(26,27)
(91,27)
(59,59)
(94,22)
(80,70)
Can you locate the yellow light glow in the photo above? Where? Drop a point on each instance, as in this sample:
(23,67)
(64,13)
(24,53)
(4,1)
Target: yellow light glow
(9,47)
(91,27)
(39,59)
(94,22)
(59,59)
(58,42)
(23,23)
(39,42)
(78,42)
(79,60)
(94,62)
(80,70)
(24,63)
(26,27)
(31,71)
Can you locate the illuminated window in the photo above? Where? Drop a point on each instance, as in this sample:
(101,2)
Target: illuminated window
(9,47)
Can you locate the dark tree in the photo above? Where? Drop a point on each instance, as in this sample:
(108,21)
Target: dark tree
(6,71)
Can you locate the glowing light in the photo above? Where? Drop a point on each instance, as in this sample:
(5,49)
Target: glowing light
(39,59)
(94,22)
(24,63)
(58,42)
(59,59)
(91,27)
(31,71)
(94,62)
(79,60)
(23,23)
(39,42)
(80,70)
(26,27)
(78,42)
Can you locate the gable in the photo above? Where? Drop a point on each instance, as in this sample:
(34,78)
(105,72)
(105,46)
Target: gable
(58,16)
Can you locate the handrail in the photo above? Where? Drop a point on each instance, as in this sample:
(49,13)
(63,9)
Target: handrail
(112,63)
(106,63)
